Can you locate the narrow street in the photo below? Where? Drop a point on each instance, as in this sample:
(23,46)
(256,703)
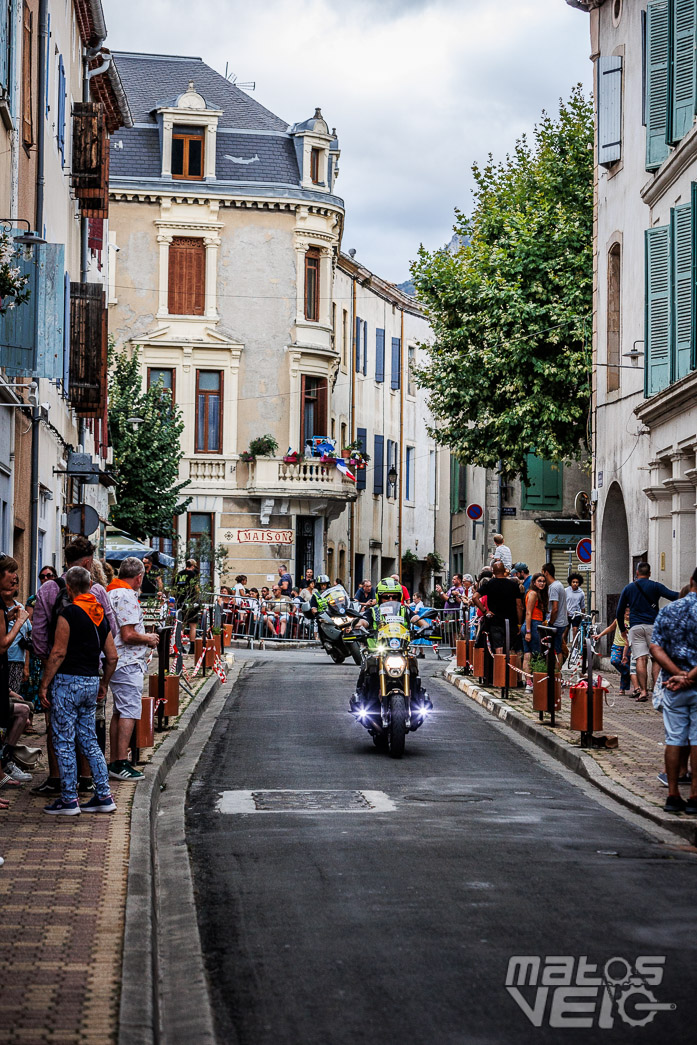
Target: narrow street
(398,925)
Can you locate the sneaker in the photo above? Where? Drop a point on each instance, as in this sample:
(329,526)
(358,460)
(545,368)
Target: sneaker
(99,805)
(123,771)
(691,807)
(663,777)
(528,689)
(85,786)
(674,804)
(13,771)
(61,808)
(50,786)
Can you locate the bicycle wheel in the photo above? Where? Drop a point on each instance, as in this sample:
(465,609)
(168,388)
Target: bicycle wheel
(573,660)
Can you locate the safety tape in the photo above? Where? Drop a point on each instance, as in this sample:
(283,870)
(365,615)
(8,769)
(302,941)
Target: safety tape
(197,668)
(219,669)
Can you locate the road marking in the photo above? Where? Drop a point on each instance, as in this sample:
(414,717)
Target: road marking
(283,800)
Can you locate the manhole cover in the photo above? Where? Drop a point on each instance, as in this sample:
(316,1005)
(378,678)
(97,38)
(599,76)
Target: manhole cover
(292,801)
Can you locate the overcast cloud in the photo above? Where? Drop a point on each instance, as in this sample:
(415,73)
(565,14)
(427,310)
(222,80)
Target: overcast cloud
(417,90)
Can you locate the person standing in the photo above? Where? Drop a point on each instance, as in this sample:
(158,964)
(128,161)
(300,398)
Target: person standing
(642,596)
(501,551)
(285,580)
(524,575)
(558,616)
(133,647)
(365,594)
(535,614)
(152,582)
(575,602)
(72,671)
(504,602)
(673,646)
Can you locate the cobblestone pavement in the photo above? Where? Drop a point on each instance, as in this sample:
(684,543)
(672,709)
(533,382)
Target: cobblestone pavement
(62,897)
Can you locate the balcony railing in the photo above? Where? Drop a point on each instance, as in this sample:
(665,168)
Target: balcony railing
(208,469)
(306,478)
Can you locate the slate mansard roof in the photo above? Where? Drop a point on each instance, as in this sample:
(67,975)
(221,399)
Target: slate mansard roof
(254,147)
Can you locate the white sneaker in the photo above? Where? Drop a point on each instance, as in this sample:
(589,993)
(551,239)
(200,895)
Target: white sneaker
(17,774)
(528,689)
(2,860)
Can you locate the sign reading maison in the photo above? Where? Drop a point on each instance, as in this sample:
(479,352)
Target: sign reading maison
(235,536)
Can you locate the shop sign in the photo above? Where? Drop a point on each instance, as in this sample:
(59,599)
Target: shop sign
(247,536)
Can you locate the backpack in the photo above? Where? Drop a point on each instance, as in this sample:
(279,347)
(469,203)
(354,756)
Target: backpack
(62,600)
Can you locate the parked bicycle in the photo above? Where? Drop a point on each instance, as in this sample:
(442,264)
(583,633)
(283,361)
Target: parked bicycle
(587,629)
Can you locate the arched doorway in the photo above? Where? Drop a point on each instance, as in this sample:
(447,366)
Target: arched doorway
(613,566)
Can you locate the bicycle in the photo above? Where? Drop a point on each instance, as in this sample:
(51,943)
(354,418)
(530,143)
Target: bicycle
(587,629)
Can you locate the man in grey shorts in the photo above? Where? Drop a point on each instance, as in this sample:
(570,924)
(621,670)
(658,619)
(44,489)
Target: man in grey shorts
(642,597)
(133,646)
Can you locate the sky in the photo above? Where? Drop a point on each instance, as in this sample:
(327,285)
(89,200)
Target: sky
(418,90)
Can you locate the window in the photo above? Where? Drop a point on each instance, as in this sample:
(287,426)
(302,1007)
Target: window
(396,375)
(362,440)
(378,464)
(162,376)
(609,109)
(187,276)
(392,462)
(409,488)
(334,325)
(200,542)
(357,344)
(543,491)
(612,371)
(187,153)
(312,285)
(411,363)
(358,570)
(344,339)
(458,486)
(431,477)
(60,119)
(379,355)
(27,77)
(670,76)
(670,277)
(365,347)
(343,437)
(209,428)
(315,157)
(313,410)
(6,13)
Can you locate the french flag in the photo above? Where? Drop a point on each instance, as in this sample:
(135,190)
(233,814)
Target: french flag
(344,469)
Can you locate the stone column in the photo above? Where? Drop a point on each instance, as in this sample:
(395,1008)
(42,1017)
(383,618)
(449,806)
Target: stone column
(325,286)
(660,523)
(167,126)
(164,239)
(211,243)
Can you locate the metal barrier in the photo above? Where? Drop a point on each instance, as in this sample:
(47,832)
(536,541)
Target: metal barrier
(243,617)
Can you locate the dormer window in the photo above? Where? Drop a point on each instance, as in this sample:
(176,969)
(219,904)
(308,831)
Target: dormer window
(187,152)
(315,158)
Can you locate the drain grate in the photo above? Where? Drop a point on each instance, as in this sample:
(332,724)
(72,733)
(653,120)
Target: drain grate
(304,801)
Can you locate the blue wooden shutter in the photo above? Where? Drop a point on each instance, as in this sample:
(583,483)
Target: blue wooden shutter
(379,355)
(389,461)
(47,67)
(66,336)
(18,326)
(50,309)
(5,38)
(609,110)
(60,121)
(657,301)
(365,347)
(378,463)
(395,377)
(682,68)
(357,345)
(681,286)
(656,83)
(362,440)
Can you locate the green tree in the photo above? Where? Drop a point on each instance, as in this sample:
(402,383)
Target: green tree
(509,370)
(147,455)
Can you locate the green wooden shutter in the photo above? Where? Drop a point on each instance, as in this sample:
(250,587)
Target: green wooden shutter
(681,286)
(658,325)
(656,83)
(693,354)
(543,491)
(682,68)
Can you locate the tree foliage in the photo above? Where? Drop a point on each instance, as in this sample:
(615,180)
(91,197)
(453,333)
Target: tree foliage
(147,455)
(509,371)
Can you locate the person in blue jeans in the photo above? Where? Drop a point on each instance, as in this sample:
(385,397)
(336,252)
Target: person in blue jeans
(72,671)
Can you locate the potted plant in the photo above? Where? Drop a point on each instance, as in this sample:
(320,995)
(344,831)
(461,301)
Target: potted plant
(409,558)
(435,561)
(216,632)
(263,446)
(12,282)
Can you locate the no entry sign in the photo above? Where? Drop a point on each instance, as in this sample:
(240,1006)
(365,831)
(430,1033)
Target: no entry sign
(475,511)
(584,550)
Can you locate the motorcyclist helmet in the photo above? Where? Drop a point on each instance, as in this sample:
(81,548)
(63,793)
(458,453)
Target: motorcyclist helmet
(389,590)
(322,581)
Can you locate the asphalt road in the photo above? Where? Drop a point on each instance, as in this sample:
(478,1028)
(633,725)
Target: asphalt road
(398,926)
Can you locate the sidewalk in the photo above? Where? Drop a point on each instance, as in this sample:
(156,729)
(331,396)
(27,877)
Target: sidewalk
(63,898)
(630,770)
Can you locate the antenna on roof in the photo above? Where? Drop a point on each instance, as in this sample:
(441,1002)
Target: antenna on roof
(232,78)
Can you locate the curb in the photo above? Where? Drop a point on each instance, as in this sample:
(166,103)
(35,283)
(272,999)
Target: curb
(156,904)
(573,758)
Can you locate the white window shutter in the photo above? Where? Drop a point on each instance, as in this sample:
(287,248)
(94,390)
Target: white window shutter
(609,109)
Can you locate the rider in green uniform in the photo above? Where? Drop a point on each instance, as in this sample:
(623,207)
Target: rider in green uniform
(317,603)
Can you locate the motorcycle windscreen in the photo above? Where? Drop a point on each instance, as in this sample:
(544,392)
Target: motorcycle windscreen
(337,599)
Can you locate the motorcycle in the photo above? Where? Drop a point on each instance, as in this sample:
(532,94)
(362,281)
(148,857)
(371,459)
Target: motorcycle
(390,701)
(334,623)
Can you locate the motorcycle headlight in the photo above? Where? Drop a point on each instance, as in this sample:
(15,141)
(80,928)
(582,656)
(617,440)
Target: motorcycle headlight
(395,665)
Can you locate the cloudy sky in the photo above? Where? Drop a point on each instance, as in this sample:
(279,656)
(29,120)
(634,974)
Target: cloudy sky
(417,90)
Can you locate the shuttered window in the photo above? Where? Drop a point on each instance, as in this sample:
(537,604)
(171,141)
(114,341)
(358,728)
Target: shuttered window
(60,119)
(313,414)
(657,37)
(409,486)
(543,491)
(5,46)
(378,464)
(357,344)
(362,440)
(312,285)
(396,375)
(27,78)
(681,288)
(379,355)
(682,68)
(209,411)
(365,348)
(187,276)
(609,110)
(658,310)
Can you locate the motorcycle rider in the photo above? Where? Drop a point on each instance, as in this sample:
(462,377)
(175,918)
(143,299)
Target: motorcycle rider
(388,590)
(317,603)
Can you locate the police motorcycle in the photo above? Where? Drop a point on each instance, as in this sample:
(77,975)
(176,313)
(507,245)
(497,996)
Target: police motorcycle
(389,700)
(335,617)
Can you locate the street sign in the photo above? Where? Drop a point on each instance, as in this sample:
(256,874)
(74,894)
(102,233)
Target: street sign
(508,511)
(475,511)
(584,550)
(584,567)
(83,518)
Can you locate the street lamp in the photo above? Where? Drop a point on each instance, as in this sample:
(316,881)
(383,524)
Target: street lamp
(392,480)
(28,240)
(135,422)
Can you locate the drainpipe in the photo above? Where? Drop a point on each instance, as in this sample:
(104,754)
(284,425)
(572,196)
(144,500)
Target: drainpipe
(34,481)
(402,455)
(352,428)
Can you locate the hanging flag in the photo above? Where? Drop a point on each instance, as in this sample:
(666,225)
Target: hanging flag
(344,469)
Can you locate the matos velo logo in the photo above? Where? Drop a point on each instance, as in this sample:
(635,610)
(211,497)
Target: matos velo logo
(567,992)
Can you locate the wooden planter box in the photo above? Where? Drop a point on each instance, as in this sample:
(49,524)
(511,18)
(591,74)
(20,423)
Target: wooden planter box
(539,692)
(579,708)
(198,650)
(217,642)
(499,670)
(171,693)
(515,681)
(461,653)
(210,653)
(227,634)
(478,662)
(145,726)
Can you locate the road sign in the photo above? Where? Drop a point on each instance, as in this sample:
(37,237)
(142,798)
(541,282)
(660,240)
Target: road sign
(475,511)
(82,518)
(584,550)
(584,568)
